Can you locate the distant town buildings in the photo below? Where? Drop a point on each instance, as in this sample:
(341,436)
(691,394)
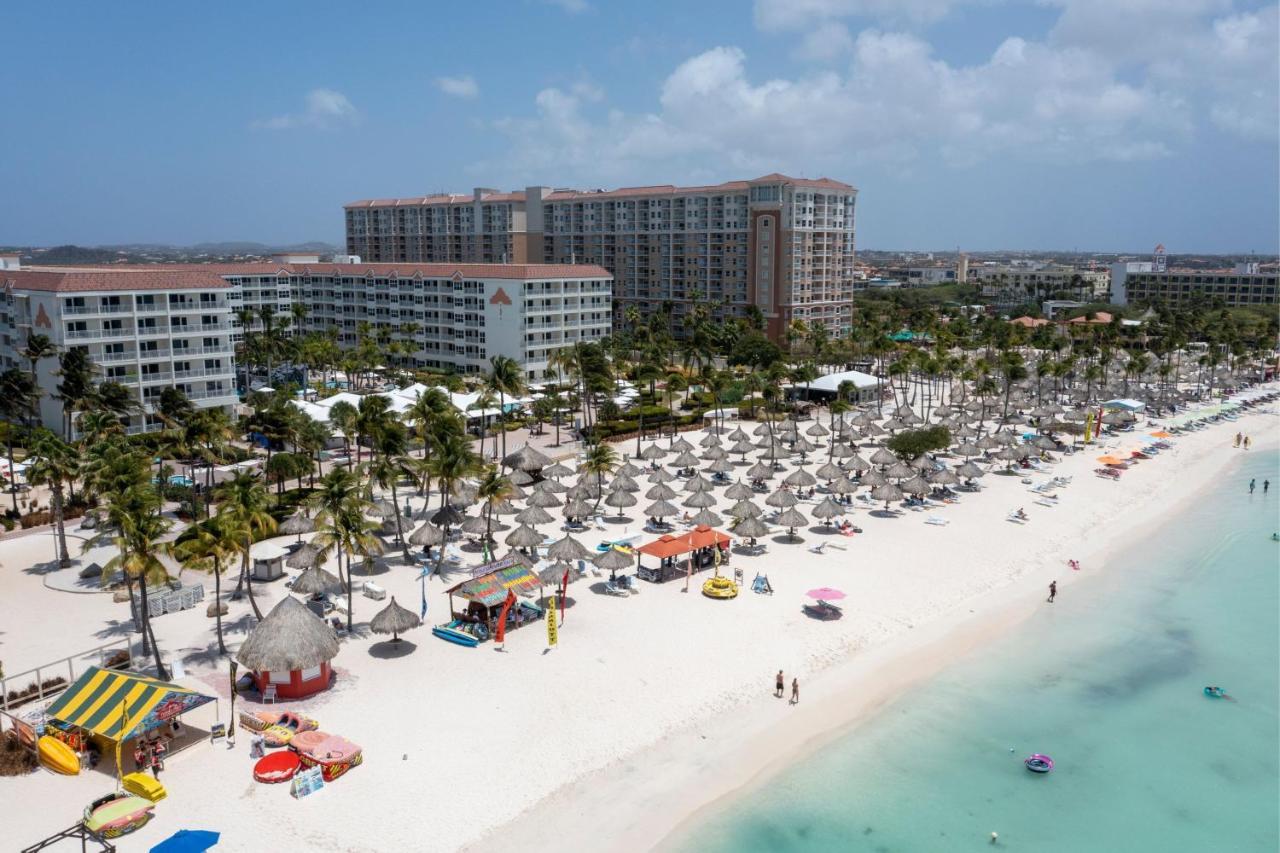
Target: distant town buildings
(783,245)
(153,327)
(1016,284)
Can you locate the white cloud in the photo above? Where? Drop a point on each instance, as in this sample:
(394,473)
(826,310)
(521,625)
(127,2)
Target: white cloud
(321,108)
(783,15)
(1117,80)
(458,87)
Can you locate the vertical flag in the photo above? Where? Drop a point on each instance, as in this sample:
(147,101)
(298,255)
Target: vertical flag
(552,635)
(423,577)
(502,617)
(564,588)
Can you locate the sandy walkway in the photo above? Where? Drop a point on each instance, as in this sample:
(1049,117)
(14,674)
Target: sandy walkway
(645,698)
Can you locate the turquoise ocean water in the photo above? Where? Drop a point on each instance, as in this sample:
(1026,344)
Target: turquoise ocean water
(1108,680)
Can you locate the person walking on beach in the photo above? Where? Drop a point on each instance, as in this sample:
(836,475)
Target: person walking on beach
(1053,591)
(1246,442)
(795,691)
(1238,437)
(778,685)
(1252,485)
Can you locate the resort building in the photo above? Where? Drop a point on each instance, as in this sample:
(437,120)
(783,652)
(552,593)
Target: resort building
(145,328)
(784,245)
(1016,285)
(446,316)
(1139,282)
(153,327)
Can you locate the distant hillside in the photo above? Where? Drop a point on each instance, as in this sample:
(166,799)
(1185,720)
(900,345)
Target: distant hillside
(148,253)
(232,247)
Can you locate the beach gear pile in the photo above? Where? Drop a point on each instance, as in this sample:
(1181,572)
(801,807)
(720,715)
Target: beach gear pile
(305,746)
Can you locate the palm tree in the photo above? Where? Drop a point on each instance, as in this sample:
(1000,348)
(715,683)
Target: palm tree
(139,526)
(600,460)
(347,531)
(54,464)
(38,347)
(76,386)
(208,546)
(493,489)
(245,506)
(505,377)
(343,416)
(16,389)
(452,461)
(388,468)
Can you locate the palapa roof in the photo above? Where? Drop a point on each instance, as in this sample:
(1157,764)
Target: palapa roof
(290,637)
(393,619)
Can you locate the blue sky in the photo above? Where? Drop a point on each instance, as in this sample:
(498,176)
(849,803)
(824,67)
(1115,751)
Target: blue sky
(1094,124)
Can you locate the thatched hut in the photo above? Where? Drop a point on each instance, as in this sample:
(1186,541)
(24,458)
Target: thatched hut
(290,650)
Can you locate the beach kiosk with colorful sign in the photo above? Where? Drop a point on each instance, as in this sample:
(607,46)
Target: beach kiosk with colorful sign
(485,598)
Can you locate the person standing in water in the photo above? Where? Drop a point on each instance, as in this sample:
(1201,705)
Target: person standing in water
(1266,484)
(1252,485)
(1053,591)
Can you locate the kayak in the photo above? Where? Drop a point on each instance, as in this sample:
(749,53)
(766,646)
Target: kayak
(57,756)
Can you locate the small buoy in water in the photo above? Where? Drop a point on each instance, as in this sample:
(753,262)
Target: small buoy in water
(995,836)
(1011,749)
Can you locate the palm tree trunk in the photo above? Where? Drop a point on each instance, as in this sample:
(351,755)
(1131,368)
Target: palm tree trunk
(64,559)
(350,596)
(148,635)
(248,582)
(13,488)
(217,603)
(502,408)
(395,503)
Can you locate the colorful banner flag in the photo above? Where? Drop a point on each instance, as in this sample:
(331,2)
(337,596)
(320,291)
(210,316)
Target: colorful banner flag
(564,590)
(1088,426)
(502,617)
(552,635)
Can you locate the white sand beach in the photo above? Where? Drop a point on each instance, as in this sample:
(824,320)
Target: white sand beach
(650,707)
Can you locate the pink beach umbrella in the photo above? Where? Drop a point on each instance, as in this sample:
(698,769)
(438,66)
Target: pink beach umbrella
(825,593)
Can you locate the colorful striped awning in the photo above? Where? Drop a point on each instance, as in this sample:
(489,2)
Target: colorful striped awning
(118,705)
(491,589)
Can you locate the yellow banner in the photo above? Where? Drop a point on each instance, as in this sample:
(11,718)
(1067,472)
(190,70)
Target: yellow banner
(552,634)
(1088,426)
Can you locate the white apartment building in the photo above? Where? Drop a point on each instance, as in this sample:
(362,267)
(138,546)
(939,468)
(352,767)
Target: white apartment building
(781,244)
(1018,284)
(446,316)
(146,328)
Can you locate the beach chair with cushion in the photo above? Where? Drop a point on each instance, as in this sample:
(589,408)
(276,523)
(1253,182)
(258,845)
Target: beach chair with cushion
(269,694)
(937,520)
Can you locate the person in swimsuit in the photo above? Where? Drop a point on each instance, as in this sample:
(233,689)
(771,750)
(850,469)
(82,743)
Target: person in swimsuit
(778,685)
(1053,591)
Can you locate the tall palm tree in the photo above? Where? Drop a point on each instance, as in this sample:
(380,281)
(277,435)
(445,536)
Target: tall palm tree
(600,460)
(245,504)
(344,418)
(493,489)
(506,377)
(209,546)
(16,389)
(54,464)
(38,347)
(138,529)
(388,468)
(452,461)
(347,531)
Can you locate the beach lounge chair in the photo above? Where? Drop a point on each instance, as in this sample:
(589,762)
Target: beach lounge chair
(269,694)
(761,585)
(1044,502)
(937,520)
(1018,519)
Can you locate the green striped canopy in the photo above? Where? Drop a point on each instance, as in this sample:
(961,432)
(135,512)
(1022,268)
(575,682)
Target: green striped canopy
(118,705)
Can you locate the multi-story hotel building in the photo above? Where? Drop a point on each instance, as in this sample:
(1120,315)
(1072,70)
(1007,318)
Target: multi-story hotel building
(446,316)
(152,327)
(1141,283)
(146,328)
(784,245)
(1015,285)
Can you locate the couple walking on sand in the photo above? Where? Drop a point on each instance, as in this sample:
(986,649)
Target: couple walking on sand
(780,684)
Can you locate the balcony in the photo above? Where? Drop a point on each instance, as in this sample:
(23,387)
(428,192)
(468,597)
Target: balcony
(91,334)
(111,357)
(149,378)
(202,372)
(151,308)
(212,395)
(153,354)
(156,331)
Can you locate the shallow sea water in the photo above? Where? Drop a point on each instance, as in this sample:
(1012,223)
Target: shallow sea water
(1108,680)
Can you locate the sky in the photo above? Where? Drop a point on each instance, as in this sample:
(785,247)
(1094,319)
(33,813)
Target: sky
(1104,125)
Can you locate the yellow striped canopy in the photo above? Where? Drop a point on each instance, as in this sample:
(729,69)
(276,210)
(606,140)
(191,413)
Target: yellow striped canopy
(118,705)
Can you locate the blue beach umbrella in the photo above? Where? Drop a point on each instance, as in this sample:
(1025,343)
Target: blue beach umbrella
(187,841)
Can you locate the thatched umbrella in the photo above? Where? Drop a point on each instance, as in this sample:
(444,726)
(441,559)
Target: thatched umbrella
(577,509)
(660,492)
(298,523)
(857,463)
(555,487)
(524,536)
(625,483)
(316,581)
(791,519)
(629,470)
(873,478)
(887,493)
(681,444)
(653,453)
(883,456)
(661,475)
(620,499)
(698,483)
(527,459)
(476,525)
(707,517)
(923,463)
(661,509)
(842,485)
(720,466)
(828,510)
(714,454)
(684,460)
(969,470)
(700,500)
(383,509)
(568,549)
(817,429)
(447,514)
(760,471)
(899,470)
(557,470)
(916,485)
(303,558)
(800,478)
(553,575)
(520,478)
(533,515)
(426,535)
(543,499)
(613,560)
(966,448)
(750,527)
(739,491)
(829,471)
(802,445)
(745,508)
(393,619)
(289,638)
(943,478)
(782,499)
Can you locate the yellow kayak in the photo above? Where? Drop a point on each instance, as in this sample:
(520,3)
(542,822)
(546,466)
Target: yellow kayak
(57,756)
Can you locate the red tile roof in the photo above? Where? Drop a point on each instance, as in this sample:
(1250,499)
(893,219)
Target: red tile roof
(184,276)
(78,279)
(622,192)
